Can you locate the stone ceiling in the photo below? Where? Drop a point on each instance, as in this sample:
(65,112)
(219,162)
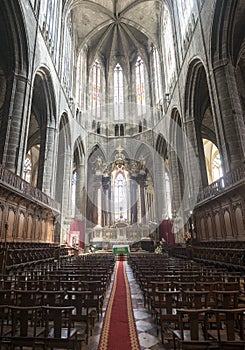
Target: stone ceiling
(116,30)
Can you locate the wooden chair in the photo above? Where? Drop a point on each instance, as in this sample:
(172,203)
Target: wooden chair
(7,297)
(27,285)
(184,286)
(82,312)
(58,331)
(51,284)
(26,297)
(96,297)
(196,299)
(69,284)
(207,285)
(51,297)
(192,332)
(25,326)
(229,331)
(5,327)
(147,287)
(6,283)
(231,285)
(152,289)
(164,310)
(226,299)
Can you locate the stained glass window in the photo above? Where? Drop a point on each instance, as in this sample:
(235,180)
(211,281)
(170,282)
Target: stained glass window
(27,169)
(51,14)
(118,93)
(67,71)
(120,197)
(30,168)
(140,86)
(169,56)
(157,74)
(185,8)
(96,97)
(217,167)
(213,161)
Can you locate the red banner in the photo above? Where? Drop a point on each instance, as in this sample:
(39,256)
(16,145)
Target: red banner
(76,234)
(166,231)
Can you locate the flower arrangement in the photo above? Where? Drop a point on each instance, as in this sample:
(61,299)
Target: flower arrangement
(159,248)
(187,237)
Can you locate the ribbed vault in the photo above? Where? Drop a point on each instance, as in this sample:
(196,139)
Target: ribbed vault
(113,29)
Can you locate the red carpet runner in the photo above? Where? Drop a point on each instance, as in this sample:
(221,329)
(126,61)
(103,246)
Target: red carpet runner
(119,330)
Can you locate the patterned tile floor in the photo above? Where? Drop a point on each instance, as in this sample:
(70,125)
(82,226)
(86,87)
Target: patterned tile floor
(145,326)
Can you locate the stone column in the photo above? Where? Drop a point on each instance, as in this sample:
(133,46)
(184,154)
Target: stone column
(133,204)
(146,200)
(80,200)
(99,200)
(48,183)
(152,206)
(94,206)
(229,116)
(128,200)
(142,200)
(159,187)
(175,179)
(192,157)
(105,205)
(139,217)
(112,203)
(109,206)
(66,191)
(14,141)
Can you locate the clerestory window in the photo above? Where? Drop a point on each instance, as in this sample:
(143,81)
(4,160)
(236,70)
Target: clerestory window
(118,93)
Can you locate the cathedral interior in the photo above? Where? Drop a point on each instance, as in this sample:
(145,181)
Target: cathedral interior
(122,121)
(122,126)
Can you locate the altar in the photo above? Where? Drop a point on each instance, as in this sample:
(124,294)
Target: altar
(107,237)
(119,249)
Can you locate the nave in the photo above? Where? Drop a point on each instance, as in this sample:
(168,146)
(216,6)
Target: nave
(146,328)
(177,303)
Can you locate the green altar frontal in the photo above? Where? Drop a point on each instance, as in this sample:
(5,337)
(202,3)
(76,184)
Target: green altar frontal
(120,249)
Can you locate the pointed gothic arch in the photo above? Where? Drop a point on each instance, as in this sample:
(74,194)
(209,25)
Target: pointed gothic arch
(14,70)
(78,181)
(177,158)
(41,129)
(95,161)
(227,30)
(64,147)
(199,115)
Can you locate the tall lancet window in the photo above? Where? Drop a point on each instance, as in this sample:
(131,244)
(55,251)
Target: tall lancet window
(157,74)
(169,54)
(140,86)
(68,57)
(96,99)
(120,197)
(27,168)
(185,8)
(50,12)
(118,93)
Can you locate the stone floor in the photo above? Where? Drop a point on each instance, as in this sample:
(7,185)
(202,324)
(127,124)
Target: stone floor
(145,326)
